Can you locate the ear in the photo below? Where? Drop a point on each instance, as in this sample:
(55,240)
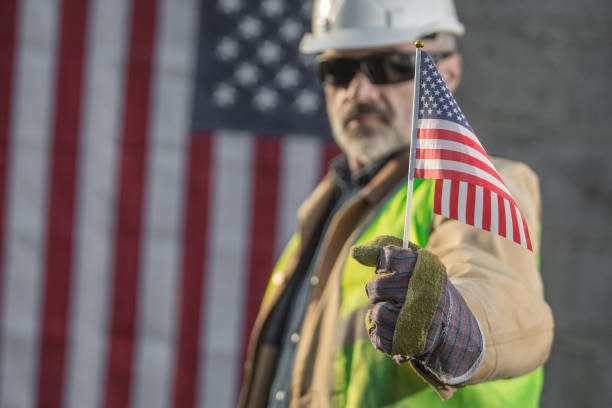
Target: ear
(451,68)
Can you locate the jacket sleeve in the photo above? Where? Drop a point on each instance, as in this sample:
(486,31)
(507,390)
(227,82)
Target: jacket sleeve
(501,282)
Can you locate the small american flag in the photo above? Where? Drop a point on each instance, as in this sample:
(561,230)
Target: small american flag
(468,186)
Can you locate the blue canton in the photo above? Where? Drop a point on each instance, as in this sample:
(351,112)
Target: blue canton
(435,100)
(250,74)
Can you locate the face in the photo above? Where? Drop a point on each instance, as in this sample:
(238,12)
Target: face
(370,121)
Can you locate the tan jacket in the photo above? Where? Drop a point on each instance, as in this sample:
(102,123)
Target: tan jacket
(498,279)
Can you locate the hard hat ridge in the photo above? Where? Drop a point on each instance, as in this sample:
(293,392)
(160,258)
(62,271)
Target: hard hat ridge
(350,24)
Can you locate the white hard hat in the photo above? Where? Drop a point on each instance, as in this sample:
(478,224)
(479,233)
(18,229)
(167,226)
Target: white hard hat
(349,24)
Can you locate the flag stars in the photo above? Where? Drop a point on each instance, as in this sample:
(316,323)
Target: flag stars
(288,77)
(431,98)
(247,74)
(426,91)
(230,6)
(272,8)
(291,30)
(224,95)
(269,52)
(227,49)
(265,99)
(307,102)
(249,27)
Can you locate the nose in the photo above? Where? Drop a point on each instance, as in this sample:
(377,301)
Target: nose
(361,89)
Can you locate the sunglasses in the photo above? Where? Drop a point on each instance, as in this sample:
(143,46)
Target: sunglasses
(381,68)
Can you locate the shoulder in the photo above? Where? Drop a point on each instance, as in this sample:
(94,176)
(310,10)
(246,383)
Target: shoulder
(521,180)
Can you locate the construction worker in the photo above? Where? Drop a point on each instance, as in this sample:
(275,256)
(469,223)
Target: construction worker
(460,316)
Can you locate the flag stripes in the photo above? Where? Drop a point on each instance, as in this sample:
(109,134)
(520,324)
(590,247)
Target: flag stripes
(128,274)
(127,253)
(97,173)
(58,262)
(8,18)
(468,186)
(26,198)
(474,205)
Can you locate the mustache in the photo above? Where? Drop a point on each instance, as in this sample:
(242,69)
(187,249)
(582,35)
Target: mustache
(367,108)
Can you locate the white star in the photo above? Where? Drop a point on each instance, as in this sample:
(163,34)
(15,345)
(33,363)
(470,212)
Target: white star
(249,27)
(227,49)
(439,111)
(455,110)
(435,105)
(428,79)
(269,52)
(291,30)
(265,99)
(307,102)
(423,85)
(441,99)
(422,111)
(224,95)
(426,92)
(431,98)
(449,114)
(423,98)
(446,107)
(429,111)
(426,105)
(230,6)
(439,80)
(247,74)
(272,8)
(437,92)
(288,77)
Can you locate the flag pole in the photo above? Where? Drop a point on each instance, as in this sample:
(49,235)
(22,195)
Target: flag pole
(413,138)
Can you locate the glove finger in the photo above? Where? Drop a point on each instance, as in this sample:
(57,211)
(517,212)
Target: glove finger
(382,325)
(388,288)
(392,275)
(368,253)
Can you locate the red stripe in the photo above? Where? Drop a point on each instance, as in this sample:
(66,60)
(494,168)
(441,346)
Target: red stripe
(454,200)
(8,28)
(527,237)
(263,228)
(195,229)
(130,196)
(501,216)
(330,150)
(486,210)
(460,176)
(438,197)
(443,154)
(58,265)
(443,134)
(470,205)
(516,235)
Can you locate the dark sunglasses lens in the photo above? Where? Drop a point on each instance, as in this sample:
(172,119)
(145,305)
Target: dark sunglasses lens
(398,67)
(381,69)
(390,68)
(337,71)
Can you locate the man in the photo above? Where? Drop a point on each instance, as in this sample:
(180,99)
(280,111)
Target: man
(464,318)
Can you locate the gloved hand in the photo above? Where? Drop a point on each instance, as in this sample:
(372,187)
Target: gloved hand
(418,313)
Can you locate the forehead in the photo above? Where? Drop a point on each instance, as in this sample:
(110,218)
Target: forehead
(442,43)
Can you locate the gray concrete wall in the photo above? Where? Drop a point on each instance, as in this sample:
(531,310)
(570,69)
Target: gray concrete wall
(537,87)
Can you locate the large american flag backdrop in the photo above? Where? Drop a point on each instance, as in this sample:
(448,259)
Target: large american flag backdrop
(152,157)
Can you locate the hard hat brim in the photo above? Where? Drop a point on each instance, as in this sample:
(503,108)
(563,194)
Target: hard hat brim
(347,39)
